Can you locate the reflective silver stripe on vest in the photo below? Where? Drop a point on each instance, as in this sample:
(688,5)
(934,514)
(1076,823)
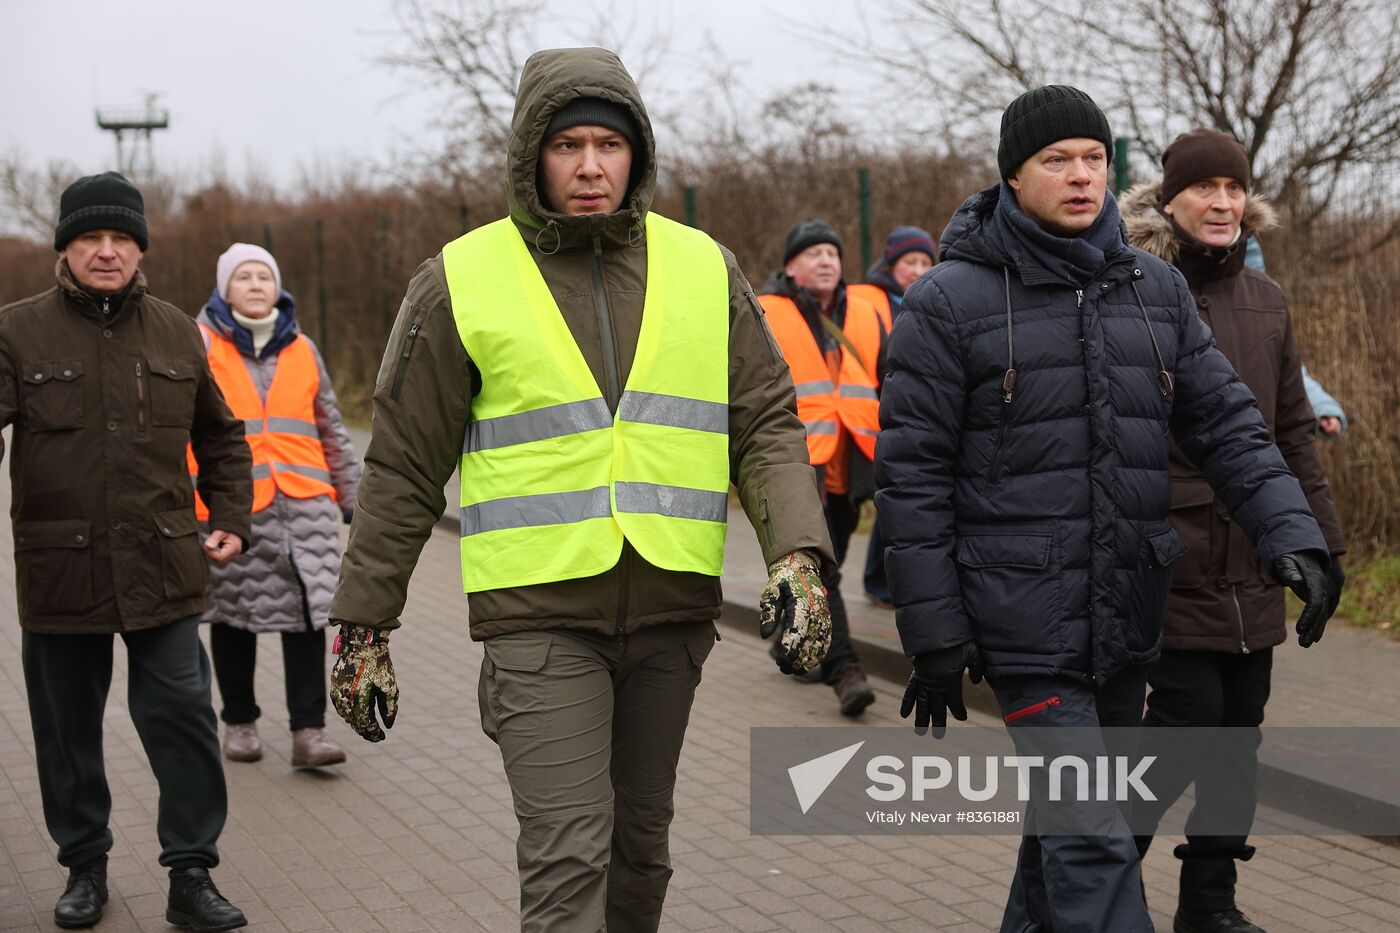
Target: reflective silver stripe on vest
(307,471)
(540,424)
(252,426)
(552,508)
(293,426)
(260,471)
(858,391)
(672,411)
(820,427)
(820,387)
(673,501)
(867,432)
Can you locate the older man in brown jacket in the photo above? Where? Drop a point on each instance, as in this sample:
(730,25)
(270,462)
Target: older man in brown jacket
(106,386)
(1226,611)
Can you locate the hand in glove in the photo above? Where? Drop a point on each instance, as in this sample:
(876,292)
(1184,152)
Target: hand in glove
(1304,573)
(795,600)
(1336,579)
(935,687)
(363,678)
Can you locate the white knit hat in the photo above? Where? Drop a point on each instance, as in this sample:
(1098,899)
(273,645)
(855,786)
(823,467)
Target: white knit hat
(235,256)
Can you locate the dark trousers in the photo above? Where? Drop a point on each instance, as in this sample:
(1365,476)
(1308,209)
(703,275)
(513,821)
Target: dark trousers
(875,583)
(590,729)
(1066,882)
(67,678)
(842,516)
(303,670)
(1207,688)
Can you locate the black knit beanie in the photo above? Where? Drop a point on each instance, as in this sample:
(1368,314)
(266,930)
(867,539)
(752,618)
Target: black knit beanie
(101,202)
(809,233)
(594,111)
(1045,115)
(1202,154)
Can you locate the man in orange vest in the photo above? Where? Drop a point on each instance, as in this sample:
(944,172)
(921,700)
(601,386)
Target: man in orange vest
(834,345)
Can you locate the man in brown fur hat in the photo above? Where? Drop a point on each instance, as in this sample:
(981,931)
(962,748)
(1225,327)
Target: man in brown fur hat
(1226,611)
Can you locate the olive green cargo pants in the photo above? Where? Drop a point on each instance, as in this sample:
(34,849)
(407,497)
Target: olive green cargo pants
(590,729)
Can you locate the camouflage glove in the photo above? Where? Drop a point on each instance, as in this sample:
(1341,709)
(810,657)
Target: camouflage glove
(796,600)
(363,678)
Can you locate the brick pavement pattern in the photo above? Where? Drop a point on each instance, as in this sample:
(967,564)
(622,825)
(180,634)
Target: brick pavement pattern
(417,833)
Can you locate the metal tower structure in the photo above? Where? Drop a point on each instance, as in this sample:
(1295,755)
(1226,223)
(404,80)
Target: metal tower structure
(133,128)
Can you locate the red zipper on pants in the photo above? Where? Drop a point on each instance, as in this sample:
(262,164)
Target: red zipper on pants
(1031,710)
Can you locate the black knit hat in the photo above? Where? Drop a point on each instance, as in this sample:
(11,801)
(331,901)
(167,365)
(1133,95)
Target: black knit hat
(1202,154)
(101,202)
(1045,115)
(593,111)
(809,233)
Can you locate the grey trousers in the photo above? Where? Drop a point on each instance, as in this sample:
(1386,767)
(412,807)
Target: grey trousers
(590,729)
(1074,883)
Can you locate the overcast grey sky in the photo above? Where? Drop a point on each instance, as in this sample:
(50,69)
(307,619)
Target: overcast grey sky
(283,84)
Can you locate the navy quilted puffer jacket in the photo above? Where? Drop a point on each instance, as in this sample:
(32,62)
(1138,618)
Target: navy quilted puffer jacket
(1031,513)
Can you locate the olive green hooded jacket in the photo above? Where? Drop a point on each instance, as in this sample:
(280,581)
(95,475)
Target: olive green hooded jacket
(595,267)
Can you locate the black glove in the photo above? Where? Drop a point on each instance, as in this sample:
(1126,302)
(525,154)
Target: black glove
(1304,573)
(1336,579)
(935,686)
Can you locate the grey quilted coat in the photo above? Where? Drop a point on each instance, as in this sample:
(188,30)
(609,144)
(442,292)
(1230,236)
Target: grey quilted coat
(285,580)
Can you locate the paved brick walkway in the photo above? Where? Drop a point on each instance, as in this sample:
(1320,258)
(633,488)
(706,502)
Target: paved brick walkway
(417,833)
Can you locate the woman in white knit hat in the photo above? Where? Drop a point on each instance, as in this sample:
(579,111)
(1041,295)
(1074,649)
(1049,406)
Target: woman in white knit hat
(304,476)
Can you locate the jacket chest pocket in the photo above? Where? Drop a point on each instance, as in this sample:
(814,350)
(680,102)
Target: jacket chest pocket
(52,394)
(53,567)
(172,387)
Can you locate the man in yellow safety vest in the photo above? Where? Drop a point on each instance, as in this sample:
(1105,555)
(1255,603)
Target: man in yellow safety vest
(600,375)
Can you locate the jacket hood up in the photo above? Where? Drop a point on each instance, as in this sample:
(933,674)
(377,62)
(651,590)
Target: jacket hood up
(551,79)
(1151,230)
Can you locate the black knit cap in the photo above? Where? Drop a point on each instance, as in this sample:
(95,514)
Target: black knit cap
(1202,154)
(101,202)
(809,233)
(594,111)
(1046,115)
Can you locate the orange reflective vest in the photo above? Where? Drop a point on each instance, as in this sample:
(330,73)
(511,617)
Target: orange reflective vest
(282,435)
(824,406)
(879,300)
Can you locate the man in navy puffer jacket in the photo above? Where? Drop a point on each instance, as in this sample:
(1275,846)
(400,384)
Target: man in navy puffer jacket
(1034,380)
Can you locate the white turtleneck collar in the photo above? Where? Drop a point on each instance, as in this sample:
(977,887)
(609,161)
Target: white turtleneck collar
(260,327)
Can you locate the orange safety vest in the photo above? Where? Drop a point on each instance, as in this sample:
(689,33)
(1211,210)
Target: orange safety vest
(823,406)
(282,434)
(879,300)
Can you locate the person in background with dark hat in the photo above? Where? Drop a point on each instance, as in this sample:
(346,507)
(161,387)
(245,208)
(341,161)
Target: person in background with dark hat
(1226,613)
(835,345)
(1035,378)
(106,385)
(909,253)
(605,414)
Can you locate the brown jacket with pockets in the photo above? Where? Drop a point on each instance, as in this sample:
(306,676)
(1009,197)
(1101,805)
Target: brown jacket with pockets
(104,403)
(595,268)
(1223,598)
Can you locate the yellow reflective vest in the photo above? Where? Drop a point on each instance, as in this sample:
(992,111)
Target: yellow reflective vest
(552,481)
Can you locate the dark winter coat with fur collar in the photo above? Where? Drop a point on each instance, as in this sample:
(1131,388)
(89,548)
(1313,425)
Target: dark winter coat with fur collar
(1222,597)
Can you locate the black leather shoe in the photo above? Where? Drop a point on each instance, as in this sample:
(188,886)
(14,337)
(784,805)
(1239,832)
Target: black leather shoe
(1224,921)
(195,904)
(83,898)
